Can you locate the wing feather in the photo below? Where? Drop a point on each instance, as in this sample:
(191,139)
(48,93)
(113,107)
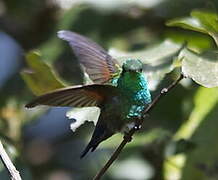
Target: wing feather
(76,96)
(99,65)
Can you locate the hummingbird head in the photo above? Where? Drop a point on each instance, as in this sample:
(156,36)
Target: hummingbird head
(132,66)
(132,79)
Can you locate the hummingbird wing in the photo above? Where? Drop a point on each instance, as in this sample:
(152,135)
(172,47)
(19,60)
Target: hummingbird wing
(99,65)
(75,96)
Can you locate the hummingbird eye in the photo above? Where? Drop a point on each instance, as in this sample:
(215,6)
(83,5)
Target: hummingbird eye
(140,70)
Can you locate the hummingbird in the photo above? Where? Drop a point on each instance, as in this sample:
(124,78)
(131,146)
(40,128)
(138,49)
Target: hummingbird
(121,92)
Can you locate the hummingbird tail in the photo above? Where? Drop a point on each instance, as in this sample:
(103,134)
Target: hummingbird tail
(92,147)
(100,134)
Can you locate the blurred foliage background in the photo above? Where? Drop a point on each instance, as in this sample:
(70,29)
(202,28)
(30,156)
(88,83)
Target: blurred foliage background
(178,141)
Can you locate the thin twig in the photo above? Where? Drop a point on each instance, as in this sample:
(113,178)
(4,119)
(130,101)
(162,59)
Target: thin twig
(14,174)
(128,137)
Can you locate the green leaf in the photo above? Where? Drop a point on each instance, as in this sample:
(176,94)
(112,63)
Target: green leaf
(201,21)
(202,68)
(209,20)
(195,40)
(158,60)
(151,55)
(201,129)
(40,77)
(204,134)
(187,23)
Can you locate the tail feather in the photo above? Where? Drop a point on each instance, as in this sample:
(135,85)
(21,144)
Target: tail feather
(87,149)
(100,134)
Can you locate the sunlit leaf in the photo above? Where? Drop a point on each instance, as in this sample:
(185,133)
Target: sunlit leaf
(152,55)
(203,121)
(209,20)
(202,68)
(200,21)
(40,77)
(158,60)
(187,23)
(194,40)
(201,128)
(81,115)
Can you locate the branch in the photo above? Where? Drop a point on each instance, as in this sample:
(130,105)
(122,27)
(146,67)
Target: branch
(14,174)
(128,137)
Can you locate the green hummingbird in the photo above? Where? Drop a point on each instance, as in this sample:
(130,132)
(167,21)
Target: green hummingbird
(121,93)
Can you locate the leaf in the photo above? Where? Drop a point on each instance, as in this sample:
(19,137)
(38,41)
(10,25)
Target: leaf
(209,20)
(187,23)
(40,78)
(152,55)
(201,163)
(200,21)
(81,115)
(202,68)
(158,60)
(201,129)
(194,40)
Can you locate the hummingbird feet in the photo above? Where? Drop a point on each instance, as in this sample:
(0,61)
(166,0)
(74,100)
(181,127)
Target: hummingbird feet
(137,127)
(127,137)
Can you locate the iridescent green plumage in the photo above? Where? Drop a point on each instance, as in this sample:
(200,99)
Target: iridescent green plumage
(120,92)
(134,88)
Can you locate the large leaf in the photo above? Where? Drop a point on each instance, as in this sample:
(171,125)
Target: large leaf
(207,19)
(81,115)
(194,40)
(187,23)
(39,76)
(201,163)
(153,55)
(201,127)
(200,21)
(158,60)
(202,68)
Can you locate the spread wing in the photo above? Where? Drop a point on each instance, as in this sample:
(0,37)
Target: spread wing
(75,96)
(99,65)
